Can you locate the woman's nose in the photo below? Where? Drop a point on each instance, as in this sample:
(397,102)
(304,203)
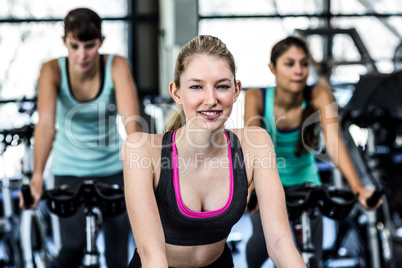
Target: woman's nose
(210,97)
(298,68)
(82,53)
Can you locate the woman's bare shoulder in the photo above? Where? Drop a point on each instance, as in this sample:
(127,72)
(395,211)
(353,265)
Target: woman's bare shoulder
(322,96)
(142,141)
(253,93)
(50,75)
(51,66)
(119,62)
(252,137)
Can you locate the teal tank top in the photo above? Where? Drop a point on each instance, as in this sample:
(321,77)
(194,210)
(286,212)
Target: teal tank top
(87,142)
(292,170)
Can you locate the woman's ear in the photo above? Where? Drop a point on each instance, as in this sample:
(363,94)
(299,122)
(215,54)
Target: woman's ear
(272,68)
(238,88)
(175,93)
(101,40)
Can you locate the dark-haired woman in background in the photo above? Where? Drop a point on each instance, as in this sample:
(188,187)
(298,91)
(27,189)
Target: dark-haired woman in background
(79,98)
(283,110)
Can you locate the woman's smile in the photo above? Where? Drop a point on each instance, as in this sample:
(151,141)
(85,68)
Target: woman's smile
(210,115)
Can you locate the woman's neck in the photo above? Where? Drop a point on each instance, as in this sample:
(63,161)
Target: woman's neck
(287,99)
(88,75)
(209,143)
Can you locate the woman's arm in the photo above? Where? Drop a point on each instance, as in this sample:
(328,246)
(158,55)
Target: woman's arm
(140,201)
(324,101)
(45,131)
(126,94)
(271,199)
(253,111)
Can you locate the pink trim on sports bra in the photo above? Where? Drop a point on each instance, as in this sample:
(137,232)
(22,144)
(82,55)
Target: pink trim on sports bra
(180,204)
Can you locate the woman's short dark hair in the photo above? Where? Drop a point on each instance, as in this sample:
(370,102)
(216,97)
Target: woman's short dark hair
(83,23)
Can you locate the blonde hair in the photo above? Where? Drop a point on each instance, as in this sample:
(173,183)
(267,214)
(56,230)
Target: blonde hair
(202,44)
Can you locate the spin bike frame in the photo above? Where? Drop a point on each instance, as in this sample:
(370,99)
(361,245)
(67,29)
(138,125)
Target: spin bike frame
(98,199)
(303,202)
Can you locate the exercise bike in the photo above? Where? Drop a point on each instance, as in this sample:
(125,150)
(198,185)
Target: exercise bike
(302,204)
(17,134)
(98,199)
(375,110)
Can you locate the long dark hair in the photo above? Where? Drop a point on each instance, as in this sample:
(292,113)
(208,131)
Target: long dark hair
(308,135)
(83,23)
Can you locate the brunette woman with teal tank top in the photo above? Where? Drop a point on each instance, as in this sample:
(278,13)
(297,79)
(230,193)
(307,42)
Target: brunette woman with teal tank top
(293,170)
(79,98)
(283,110)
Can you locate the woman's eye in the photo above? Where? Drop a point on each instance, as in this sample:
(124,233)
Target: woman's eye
(195,87)
(74,46)
(90,46)
(289,64)
(223,86)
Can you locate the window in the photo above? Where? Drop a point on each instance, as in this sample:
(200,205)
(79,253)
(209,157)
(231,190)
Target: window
(251,29)
(31,31)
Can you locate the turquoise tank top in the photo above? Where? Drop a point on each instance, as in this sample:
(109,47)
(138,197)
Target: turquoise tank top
(292,170)
(87,142)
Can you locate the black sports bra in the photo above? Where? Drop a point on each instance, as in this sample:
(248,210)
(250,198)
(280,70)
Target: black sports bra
(184,227)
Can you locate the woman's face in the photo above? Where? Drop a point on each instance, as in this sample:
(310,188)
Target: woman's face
(291,70)
(82,55)
(207,91)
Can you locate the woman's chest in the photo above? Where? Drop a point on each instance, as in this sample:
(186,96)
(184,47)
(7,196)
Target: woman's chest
(287,119)
(205,185)
(87,90)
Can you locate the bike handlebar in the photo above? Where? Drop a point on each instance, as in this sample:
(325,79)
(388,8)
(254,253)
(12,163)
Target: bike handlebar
(375,197)
(333,203)
(26,195)
(16,136)
(252,203)
(64,200)
(23,99)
